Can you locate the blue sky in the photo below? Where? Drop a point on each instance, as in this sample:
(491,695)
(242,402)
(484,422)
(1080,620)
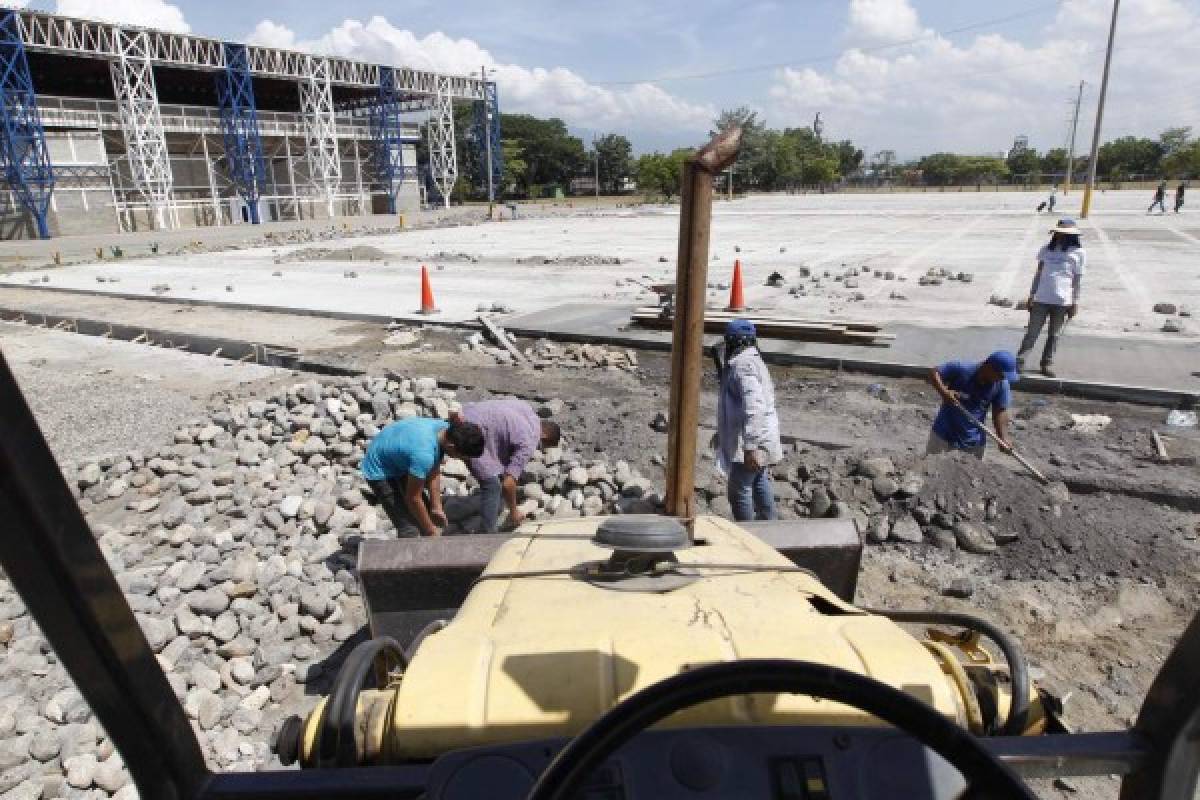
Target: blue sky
(890,74)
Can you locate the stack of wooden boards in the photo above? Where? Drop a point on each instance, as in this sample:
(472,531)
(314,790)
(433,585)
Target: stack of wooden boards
(826,331)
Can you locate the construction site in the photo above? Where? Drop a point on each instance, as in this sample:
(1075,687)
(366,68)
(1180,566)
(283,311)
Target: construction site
(224,276)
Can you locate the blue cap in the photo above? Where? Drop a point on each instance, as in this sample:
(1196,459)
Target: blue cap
(1005,363)
(740,327)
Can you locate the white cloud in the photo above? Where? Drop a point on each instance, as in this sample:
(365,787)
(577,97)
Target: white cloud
(555,91)
(975,96)
(879,21)
(145,13)
(271,34)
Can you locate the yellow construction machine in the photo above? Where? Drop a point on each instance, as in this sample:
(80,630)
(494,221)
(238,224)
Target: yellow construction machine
(669,656)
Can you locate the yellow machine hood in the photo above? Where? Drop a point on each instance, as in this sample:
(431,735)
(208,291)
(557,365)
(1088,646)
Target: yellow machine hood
(532,656)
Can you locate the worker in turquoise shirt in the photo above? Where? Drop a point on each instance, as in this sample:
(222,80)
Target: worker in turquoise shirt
(973,388)
(402,466)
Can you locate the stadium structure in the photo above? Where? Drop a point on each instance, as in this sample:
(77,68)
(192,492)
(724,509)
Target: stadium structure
(109,127)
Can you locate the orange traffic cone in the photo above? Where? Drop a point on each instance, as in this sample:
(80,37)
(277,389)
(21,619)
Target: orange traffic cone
(737,300)
(427,305)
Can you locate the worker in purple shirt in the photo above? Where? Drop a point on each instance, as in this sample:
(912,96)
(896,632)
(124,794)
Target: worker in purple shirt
(512,433)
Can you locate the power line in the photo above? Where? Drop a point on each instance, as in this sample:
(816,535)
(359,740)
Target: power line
(1029,12)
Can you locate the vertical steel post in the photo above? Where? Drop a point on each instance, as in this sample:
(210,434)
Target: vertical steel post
(443,150)
(320,130)
(141,121)
(1091,182)
(487,134)
(239,126)
(687,342)
(387,130)
(23,154)
(1071,149)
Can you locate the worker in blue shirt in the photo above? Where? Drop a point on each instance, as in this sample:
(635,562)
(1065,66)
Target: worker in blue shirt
(972,388)
(402,466)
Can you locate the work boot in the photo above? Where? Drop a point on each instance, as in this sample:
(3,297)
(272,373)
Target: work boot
(1048,371)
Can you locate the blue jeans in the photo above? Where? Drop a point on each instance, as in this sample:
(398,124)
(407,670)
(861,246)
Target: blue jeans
(490,500)
(751,495)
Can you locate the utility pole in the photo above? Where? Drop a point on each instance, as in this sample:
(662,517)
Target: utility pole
(596,158)
(1091,182)
(1071,149)
(487,140)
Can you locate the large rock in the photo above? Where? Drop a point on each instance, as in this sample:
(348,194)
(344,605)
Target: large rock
(875,467)
(973,539)
(906,529)
(209,602)
(820,504)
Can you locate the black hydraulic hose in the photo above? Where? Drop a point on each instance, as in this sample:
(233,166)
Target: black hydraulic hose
(335,742)
(602,738)
(1018,667)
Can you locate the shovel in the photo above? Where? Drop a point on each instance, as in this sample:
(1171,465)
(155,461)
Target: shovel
(1024,463)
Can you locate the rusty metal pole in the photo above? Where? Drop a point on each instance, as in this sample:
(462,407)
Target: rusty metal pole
(687,342)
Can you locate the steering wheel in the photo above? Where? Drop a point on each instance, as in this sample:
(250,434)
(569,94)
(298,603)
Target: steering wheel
(986,776)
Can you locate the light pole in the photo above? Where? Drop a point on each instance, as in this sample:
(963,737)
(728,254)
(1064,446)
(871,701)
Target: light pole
(1091,182)
(487,139)
(1071,152)
(596,158)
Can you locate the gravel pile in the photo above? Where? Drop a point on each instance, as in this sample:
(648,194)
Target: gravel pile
(360,252)
(235,545)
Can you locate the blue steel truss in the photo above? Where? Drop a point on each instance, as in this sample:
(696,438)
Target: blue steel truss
(239,126)
(387,133)
(23,154)
(487,134)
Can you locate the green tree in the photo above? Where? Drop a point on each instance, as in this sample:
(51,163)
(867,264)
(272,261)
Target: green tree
(1184,162)
(1024,163)
(981,169)
(940,169)
(552,156)
(616,162)
(753,147)
(819,171)
(1129,155)
(849,157)
(514,167)
(1054,162)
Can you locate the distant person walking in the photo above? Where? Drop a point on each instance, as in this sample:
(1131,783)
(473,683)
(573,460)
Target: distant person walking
(1052,200)
(747,424)
(1160,196)
(1179,195)
(1054,294)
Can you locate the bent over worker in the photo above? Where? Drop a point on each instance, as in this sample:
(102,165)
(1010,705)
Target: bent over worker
(402,466)
(747,425)
(512,433)
(975,389)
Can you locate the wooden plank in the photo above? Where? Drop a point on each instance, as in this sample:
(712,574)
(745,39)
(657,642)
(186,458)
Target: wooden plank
(827,334)
(1160,446)
(717,314)
(496,335)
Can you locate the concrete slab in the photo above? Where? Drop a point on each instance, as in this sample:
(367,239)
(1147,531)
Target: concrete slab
(1135,260)
(1081,358)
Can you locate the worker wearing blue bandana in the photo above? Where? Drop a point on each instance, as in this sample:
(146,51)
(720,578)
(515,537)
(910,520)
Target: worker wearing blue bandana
(973,388)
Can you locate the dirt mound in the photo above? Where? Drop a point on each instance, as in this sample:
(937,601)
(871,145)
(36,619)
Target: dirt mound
(572,261)
(1078,538)
(360,252)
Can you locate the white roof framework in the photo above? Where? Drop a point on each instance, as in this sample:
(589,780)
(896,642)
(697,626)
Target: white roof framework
(69,35)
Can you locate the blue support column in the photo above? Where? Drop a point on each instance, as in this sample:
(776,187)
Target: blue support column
(239,126)
(387,131)
(23,154)
(487,134)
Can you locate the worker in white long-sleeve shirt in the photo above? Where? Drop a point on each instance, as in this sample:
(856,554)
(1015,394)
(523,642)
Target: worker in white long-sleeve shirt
(747,425)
